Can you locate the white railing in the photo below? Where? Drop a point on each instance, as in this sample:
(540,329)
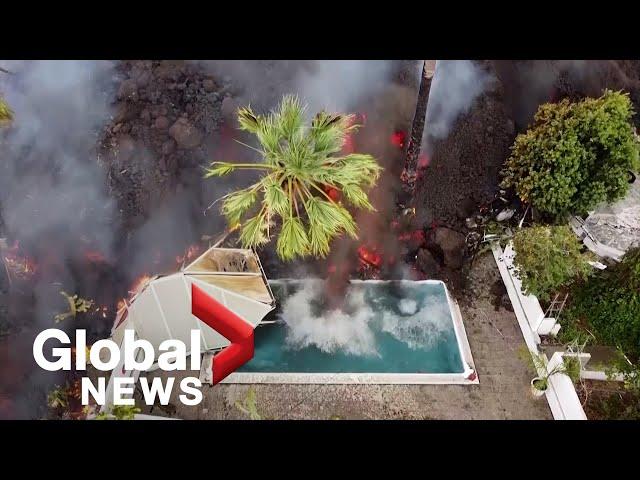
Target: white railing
(561,393)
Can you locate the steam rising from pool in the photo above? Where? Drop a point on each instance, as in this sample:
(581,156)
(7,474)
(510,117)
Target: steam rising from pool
(351,329)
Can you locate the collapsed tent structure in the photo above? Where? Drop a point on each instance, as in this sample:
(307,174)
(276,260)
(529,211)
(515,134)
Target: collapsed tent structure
(161,309)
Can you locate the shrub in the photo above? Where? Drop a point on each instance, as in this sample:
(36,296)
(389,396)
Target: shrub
(548,258)
(610,303)
(575,155)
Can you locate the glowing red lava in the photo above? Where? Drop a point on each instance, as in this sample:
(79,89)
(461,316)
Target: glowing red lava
(333,193)
(369,256)
(190,253)
(19,265)
(139,284)
(423,161)
(398,138)
(417,236)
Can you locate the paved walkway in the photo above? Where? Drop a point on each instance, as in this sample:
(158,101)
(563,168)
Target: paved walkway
(503,392)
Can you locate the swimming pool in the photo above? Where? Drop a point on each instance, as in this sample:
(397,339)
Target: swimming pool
(395,331)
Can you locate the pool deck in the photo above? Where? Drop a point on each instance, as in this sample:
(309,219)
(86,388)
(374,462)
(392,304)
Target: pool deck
(503,391)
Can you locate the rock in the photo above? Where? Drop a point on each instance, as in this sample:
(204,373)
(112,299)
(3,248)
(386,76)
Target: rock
(143,79)
(505,214)
(125,112)
(185,134)
(510,127)
(161,123)
(128,89)
(168,147)
(426,262)
(145,115)
(209,85)
(465,208)
(453,246)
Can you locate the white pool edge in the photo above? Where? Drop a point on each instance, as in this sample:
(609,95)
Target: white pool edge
(468,377)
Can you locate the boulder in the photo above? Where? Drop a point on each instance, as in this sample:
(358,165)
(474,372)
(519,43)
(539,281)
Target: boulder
(465,208)
(209,85)
(168,147)
(426,262)
(185,134)
(453,246)
(161,123)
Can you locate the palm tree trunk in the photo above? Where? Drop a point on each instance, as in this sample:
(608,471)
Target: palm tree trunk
(417,127)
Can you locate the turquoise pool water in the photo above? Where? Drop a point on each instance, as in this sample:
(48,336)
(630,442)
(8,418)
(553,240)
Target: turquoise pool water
(386,327)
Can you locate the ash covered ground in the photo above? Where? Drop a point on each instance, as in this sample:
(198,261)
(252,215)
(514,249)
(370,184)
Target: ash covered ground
(101,173)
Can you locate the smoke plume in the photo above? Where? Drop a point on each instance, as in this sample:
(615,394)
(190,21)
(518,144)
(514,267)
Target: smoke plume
(455,86)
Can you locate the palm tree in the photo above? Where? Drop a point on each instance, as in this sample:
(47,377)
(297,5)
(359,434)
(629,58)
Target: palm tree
(304,178)
(417,127)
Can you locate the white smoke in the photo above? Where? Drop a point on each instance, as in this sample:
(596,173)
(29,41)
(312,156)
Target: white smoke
(334,85)
(332,331)
(455,86)
(352,330)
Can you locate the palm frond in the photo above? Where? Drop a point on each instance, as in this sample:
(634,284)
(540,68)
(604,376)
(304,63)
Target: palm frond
(275,197)
(5,112)
(236,204)
(290,117)
(357,196)
(219,169)
(248,120)
(269,136)
(254,231)
(293,240)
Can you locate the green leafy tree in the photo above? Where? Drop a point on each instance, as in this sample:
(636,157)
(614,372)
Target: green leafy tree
(610,304)
(304,174)
(547,258)
(575,155)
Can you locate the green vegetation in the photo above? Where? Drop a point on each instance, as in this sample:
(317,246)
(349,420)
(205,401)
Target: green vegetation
(609,304)
(548,258)
(303,176)
(575,155)
(5,112)
(248,405)
(119,412)
(538,363)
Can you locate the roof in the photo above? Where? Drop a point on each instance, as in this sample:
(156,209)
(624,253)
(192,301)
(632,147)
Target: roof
(161,309)
(617,226)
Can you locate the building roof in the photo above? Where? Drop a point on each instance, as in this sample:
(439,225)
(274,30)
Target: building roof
(617,226)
